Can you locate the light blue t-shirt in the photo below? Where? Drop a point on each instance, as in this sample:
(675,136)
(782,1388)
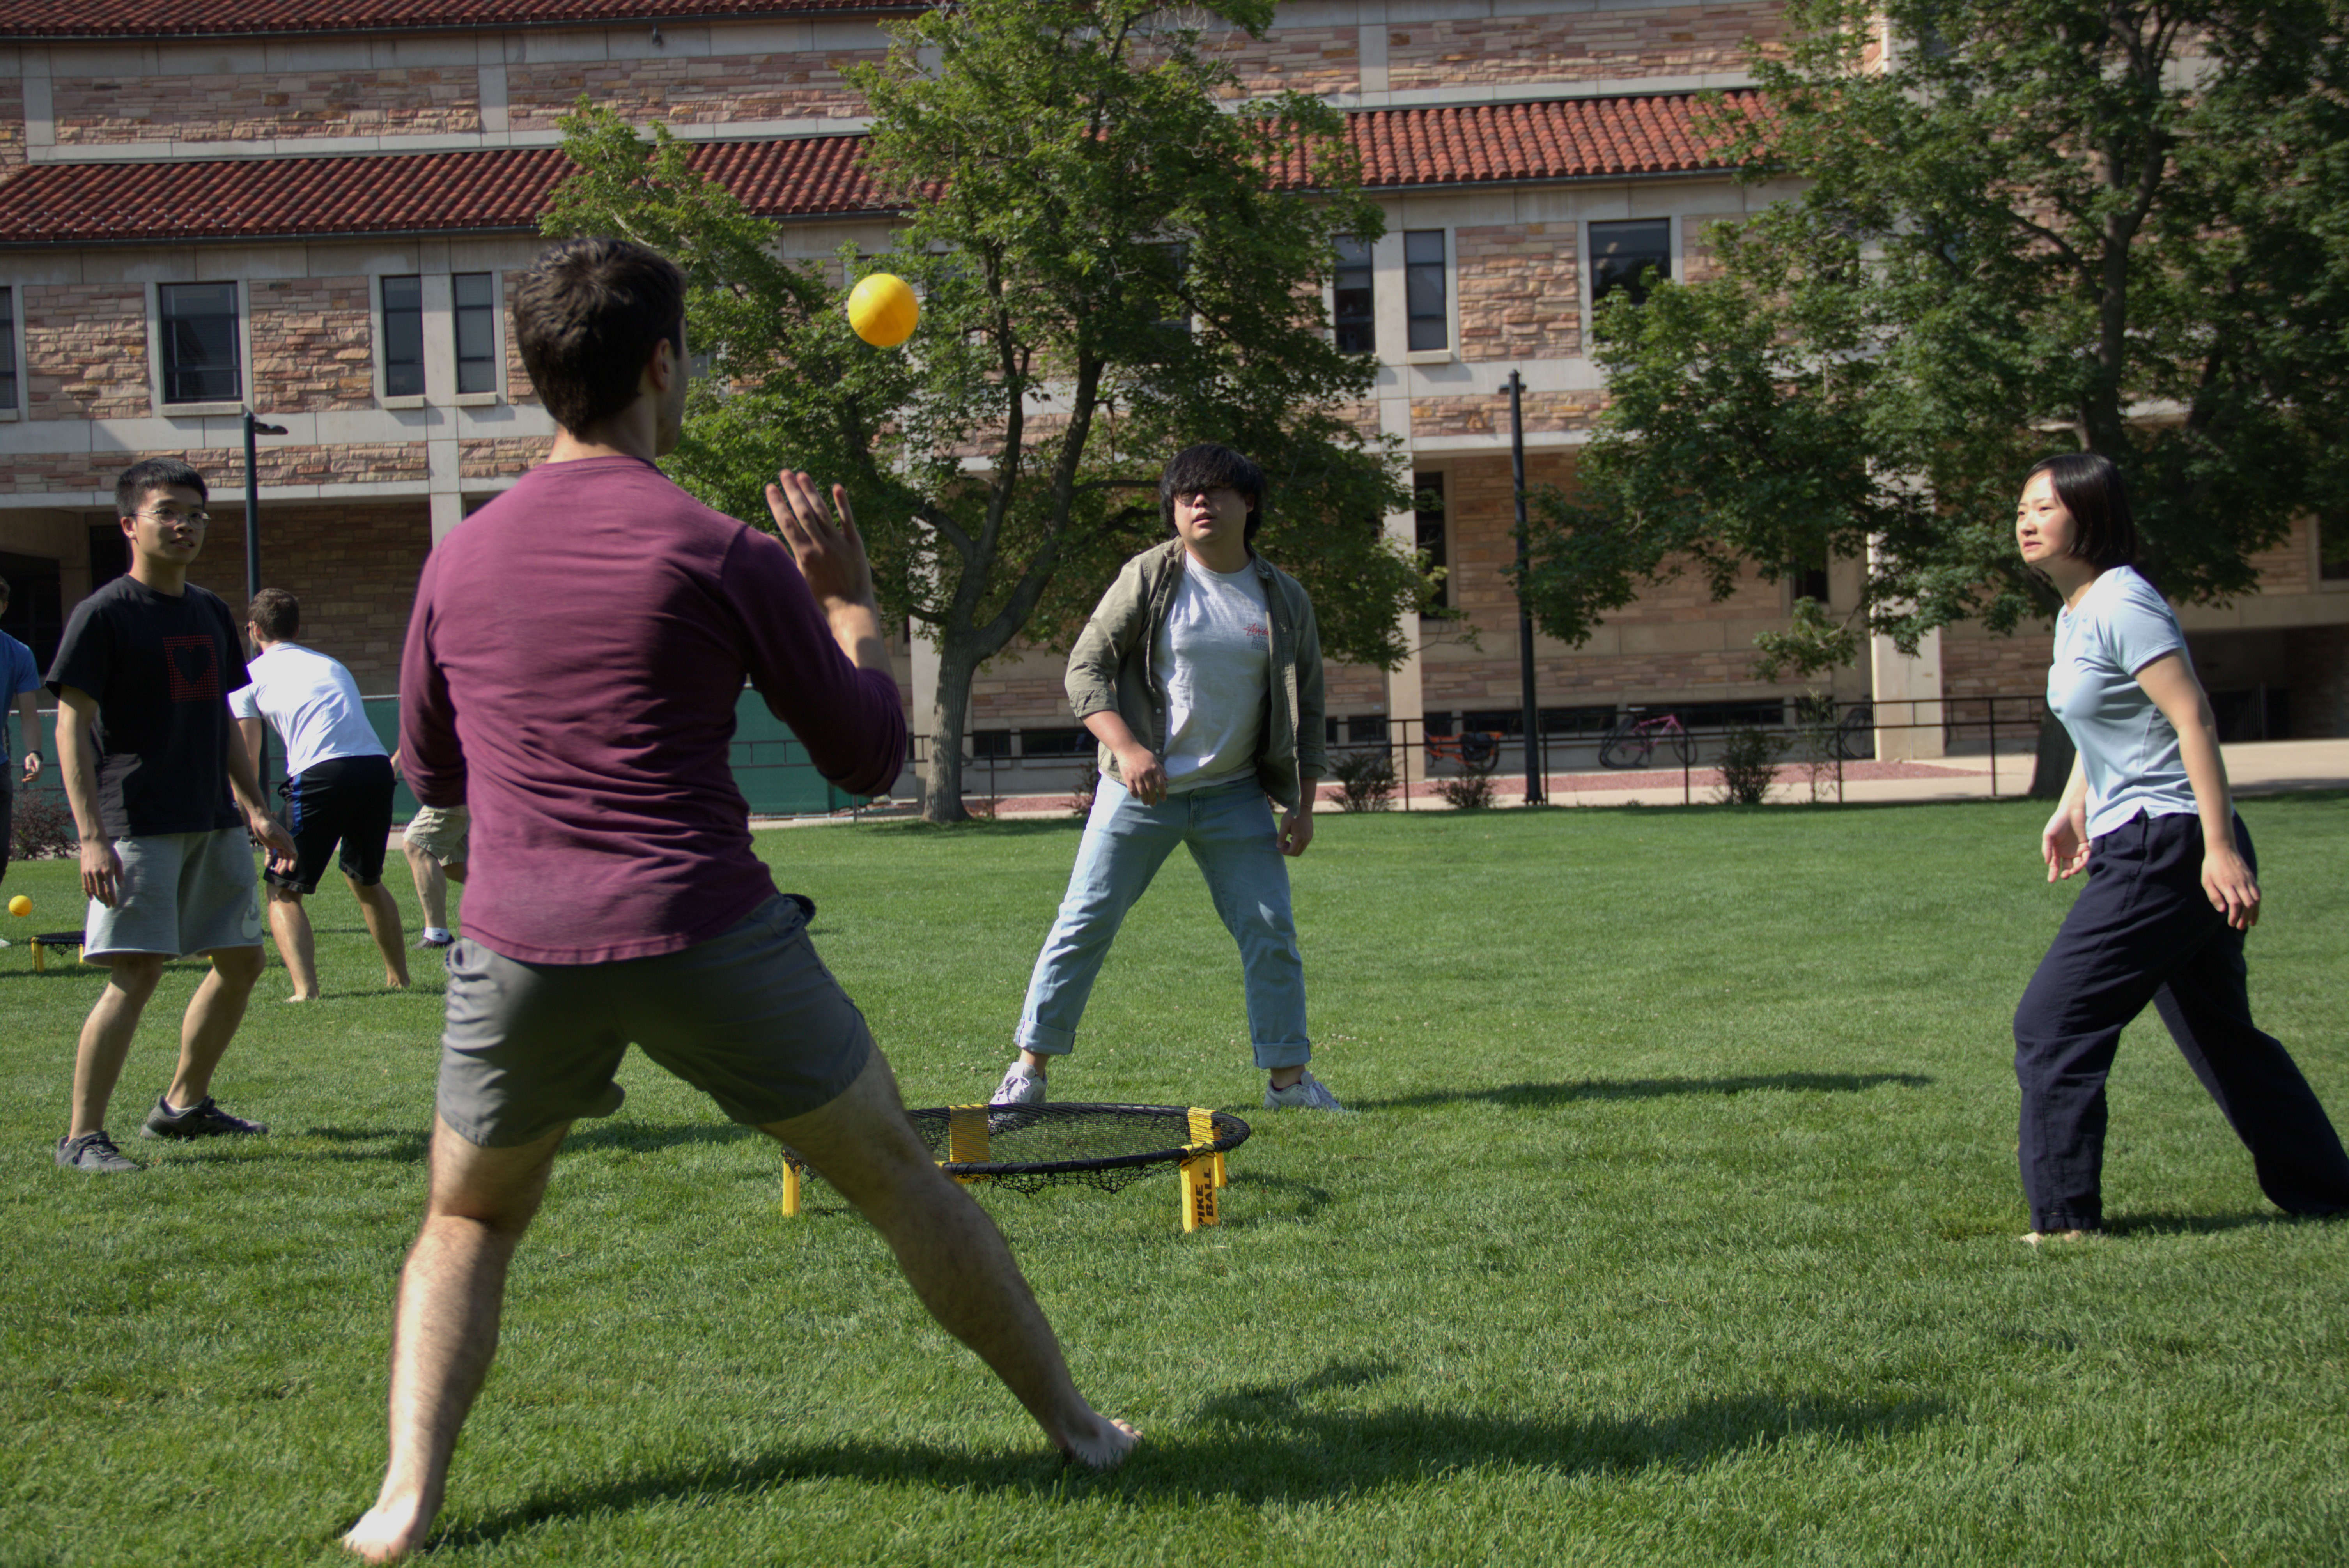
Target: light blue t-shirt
(1216,650)
(19,673)
(2128,748)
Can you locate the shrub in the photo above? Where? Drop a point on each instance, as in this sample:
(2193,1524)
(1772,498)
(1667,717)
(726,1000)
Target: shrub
(1366,781)
(1749,766)
(1081,798)
(42,830)
(1468,792)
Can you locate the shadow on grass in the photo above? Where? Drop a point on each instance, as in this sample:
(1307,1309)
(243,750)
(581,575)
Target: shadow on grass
(1261,1444)
(2163,1222)
(1542,1096)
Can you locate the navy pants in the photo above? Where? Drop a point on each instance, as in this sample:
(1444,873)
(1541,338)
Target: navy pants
(2144,931)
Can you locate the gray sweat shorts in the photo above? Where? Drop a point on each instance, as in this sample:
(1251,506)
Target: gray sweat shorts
(179,893)
(753,1018)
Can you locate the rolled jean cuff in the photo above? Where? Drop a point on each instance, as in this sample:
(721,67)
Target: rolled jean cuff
(1271,1055)
(1044,1040)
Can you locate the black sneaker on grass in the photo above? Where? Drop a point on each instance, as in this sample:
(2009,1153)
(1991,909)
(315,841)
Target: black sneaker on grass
(93,1151)
(201,1119)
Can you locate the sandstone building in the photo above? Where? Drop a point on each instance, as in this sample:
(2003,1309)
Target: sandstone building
(312,209)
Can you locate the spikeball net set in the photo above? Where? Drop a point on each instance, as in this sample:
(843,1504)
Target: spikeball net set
(1029,1148)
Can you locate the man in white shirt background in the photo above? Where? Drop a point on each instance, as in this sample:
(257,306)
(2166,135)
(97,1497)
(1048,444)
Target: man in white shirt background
(338,787)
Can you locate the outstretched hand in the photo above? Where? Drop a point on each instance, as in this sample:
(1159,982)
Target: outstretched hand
(832,560)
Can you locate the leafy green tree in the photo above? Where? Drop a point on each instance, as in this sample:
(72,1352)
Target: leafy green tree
(1116,261)
(2043,225)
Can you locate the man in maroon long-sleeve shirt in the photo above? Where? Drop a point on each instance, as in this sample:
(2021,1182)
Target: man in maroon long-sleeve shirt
(571,671)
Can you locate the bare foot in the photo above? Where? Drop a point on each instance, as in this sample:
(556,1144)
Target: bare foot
(390,984)
(1105,1446)
(388,1531)
(2035,1237)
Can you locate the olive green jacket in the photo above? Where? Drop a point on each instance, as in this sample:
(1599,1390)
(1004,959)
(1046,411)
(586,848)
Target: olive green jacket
(1111,668)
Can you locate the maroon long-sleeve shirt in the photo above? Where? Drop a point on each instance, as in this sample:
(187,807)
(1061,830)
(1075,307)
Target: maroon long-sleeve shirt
(571,672)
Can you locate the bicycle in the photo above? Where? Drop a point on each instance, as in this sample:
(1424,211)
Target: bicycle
(1633,740)
(1477,750)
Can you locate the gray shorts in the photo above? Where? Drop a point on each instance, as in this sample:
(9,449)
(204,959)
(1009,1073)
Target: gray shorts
(179,893)
(751,1019)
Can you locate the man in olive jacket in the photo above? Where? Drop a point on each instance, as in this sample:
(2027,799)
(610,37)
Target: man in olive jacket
(1200,675)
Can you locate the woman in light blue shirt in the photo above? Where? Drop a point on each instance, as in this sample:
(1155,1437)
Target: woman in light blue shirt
(2173,882)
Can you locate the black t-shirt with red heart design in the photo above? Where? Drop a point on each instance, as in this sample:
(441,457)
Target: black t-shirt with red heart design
(161,666)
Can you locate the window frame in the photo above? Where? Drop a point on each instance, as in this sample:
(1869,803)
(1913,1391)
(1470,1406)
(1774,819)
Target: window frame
(1450,314)
(1590,269)
(1368,267)
(155,351)
(1449,599)
(384,395)
(497,355)
(16,340)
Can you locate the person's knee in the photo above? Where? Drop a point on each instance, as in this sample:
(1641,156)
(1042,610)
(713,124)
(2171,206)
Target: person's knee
(237,966)
(136,974)
(288,896)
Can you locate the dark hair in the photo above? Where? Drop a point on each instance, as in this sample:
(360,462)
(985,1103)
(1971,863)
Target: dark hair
(2090,489)
(586,316)
(4,590)
(154,474)
(1207,467)
(276,614)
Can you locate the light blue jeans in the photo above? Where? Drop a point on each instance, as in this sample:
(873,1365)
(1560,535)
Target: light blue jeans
(1230,830)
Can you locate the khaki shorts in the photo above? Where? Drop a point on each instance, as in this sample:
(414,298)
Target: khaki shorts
(179,893)
(438,831)
(753,1018)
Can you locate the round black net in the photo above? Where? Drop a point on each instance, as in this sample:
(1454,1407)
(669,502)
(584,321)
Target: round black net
(1028,1148)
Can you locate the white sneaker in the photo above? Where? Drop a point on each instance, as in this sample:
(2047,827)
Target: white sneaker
(1306,1093)
(1022,1085)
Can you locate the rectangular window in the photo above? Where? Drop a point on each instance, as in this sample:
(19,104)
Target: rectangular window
(198,343)
(1173,261)
(1807,580)
(7,350)
(1056,743)
(2331,557)
(990,743)
(1366,729)
(1424,290)
(477,332)
(1589,719)
(1622,253)
(403,337)
(1430,508)
(1358,333)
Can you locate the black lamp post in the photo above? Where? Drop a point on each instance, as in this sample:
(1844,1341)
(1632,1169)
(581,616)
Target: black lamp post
(1536,793)
(254,426)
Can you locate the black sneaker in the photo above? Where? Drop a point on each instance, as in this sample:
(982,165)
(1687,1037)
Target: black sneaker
(93,1151)
(201,1119)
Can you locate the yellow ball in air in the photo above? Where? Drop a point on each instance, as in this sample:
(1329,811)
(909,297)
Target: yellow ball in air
(20,906)
(881,310)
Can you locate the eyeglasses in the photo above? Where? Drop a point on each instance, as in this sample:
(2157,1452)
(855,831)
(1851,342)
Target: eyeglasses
(173,519)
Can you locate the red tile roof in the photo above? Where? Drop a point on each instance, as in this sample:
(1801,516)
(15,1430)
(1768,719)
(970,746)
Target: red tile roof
(503,190)
(152,19)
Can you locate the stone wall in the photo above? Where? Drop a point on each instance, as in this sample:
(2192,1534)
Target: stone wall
(313,342)
(12,127)
(85,351)
(1979,664)
(384,462)
(1577,46)
(1488,414)
(1520,291)
(518,388)
(691,91)
(1303,60)
(500,457)
(353,564)
(421,100)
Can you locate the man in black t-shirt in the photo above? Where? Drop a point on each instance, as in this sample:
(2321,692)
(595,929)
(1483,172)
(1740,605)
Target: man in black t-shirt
(166,805)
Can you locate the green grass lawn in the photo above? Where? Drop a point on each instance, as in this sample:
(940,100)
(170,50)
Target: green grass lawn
(1677,1223)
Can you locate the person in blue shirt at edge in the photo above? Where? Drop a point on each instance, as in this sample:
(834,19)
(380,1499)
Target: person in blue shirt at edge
(2173,882)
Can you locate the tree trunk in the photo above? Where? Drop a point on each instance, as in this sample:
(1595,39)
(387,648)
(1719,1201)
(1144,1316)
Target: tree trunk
(2053,769)
(942,769)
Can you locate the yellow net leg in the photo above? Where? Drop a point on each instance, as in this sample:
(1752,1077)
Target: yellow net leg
(967,1136)
(791,1189)
(40,957)
(1203,1132)
(1198,1193)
